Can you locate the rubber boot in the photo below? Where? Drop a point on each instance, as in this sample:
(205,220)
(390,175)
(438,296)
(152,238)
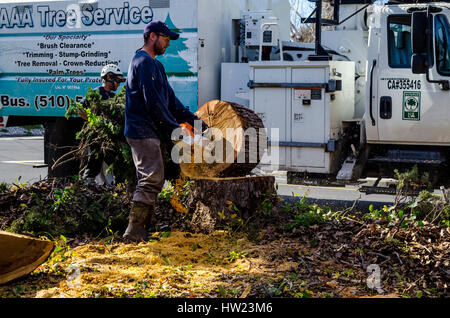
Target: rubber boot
(140,216)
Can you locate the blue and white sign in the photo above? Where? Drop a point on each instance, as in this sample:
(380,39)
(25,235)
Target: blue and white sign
(53,51)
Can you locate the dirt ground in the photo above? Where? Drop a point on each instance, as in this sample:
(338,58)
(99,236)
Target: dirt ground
(177,265)
(285,251)
(207,266)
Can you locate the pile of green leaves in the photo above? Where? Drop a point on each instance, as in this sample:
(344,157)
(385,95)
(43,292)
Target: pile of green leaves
(103,133)
(64,207)
(306,214)
(426,207)
(409,209)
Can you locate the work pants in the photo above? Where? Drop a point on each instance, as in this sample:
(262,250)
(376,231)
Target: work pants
(147,158)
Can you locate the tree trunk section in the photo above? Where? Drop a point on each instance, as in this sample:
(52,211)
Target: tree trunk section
(239,141)
(20,255)
(215,200)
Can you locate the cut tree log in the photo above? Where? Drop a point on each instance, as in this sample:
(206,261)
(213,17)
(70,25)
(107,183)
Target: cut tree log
(20,255)
(215,200)
(237,142)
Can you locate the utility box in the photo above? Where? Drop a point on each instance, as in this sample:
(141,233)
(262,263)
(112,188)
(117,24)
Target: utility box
(252,22)
(234,83)
(306,102)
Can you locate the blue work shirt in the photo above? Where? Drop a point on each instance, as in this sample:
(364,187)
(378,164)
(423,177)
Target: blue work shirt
(152,110)
(104,93)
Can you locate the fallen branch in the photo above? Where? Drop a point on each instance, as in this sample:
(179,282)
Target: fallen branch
(350,219)
(72,155)
(348,210)
(445,195)
(306,265)
(398,257)
(388,258)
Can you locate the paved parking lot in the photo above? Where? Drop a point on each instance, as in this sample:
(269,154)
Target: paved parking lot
(19,157)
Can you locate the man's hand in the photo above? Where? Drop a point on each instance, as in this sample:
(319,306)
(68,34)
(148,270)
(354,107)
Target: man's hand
(188,130)
(191,136)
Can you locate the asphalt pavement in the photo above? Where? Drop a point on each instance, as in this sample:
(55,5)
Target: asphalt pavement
(337,198)
(22,159)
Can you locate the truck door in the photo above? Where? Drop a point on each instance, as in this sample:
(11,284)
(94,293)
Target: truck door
(410,109)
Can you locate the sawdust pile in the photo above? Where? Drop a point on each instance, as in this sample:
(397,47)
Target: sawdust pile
(178,265)
(298,250)
(330,260)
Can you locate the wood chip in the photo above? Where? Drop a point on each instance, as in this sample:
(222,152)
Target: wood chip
(246,291)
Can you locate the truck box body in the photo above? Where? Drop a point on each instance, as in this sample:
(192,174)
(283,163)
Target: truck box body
(52,51)
(292,97)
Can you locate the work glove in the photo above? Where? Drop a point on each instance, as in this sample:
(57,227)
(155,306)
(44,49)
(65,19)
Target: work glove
(188,130)
(192,137)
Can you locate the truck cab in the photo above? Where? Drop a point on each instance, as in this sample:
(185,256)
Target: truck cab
(404,108)
(391,64)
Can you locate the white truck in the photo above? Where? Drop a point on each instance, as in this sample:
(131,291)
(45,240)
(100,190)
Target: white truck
(371,95)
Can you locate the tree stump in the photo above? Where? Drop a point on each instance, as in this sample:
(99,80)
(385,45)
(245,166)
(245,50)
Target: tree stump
(237,142)
(215,200)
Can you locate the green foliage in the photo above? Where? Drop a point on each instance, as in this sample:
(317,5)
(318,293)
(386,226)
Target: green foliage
(142,290)
(59,256)
(103,133)
(167,261)
(167,193)
(109,234)
(232,220)
(4,187)
(306,215)
(407,210)
(305,220)
(234,256)
(73,210)
(393,215)
(30,127)
(425,207)
(290,287)
(270,200)
(431,208)
(222,291)
(412,180)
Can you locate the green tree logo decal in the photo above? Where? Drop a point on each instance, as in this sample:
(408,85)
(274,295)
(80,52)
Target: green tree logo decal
(172,61)
(411,104)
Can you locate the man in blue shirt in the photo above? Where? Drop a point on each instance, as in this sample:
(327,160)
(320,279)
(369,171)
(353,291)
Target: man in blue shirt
(152,113)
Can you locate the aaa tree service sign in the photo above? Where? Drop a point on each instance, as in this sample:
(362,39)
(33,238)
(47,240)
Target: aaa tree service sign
(411,105)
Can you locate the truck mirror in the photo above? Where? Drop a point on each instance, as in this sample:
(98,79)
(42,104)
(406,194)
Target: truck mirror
(419,32)
(419,63)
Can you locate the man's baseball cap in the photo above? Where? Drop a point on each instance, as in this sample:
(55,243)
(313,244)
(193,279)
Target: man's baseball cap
(160,27)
